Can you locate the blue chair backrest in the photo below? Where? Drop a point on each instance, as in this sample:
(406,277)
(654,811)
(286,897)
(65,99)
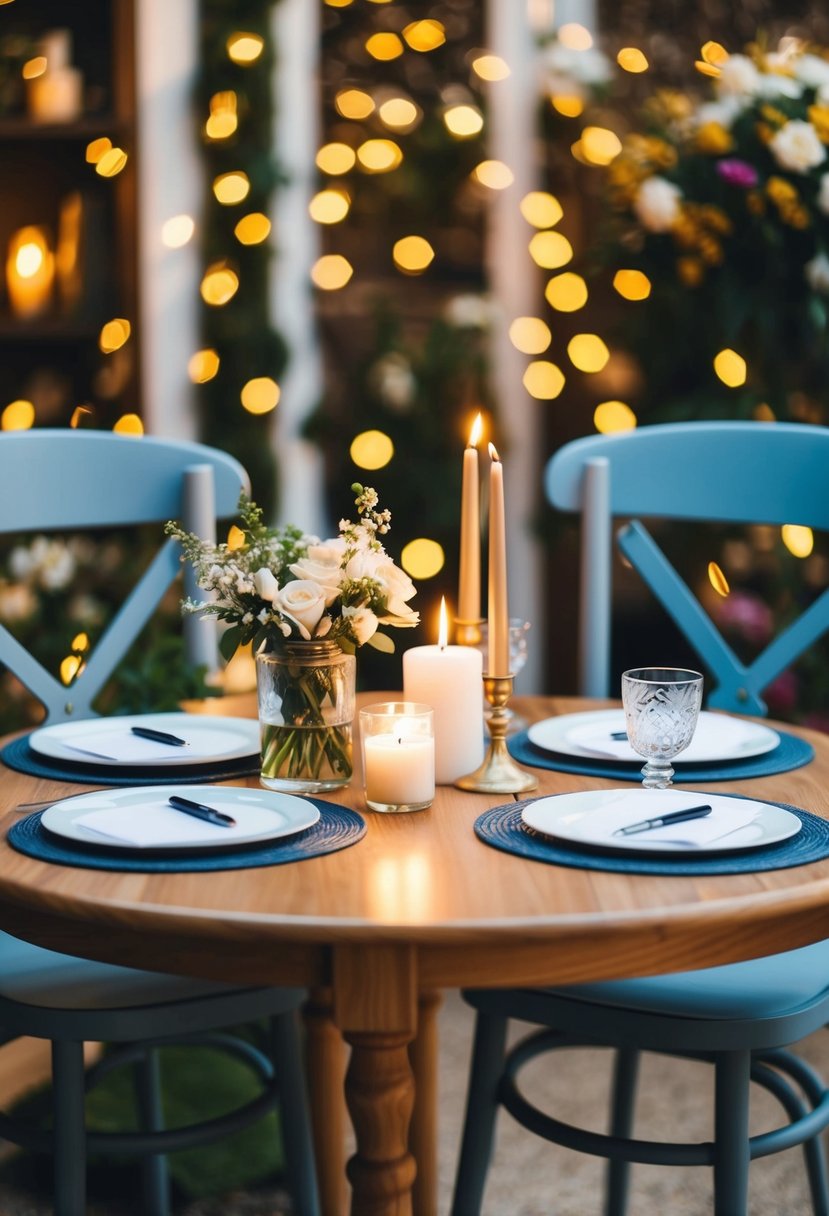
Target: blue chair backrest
(69,480)
(737,472)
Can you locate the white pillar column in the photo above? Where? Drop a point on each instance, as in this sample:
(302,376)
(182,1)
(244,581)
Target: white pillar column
(297,34)
(170,181)
(516,292)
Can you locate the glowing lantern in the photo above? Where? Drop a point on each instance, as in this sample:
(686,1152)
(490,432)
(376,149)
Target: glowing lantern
(30,272)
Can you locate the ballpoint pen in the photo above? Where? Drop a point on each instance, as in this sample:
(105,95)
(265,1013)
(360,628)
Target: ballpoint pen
(199,811)
(645,825)
(158,736)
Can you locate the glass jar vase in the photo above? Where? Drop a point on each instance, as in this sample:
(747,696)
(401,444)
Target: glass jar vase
(307,696)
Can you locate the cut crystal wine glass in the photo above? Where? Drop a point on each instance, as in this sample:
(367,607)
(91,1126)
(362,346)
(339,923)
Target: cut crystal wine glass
(662,707)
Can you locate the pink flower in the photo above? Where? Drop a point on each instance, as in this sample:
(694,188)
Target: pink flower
(781,694)
(746,615)
(737,173)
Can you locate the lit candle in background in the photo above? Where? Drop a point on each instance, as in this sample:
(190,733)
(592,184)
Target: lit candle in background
(449,678)
(498,620)
(469,587)
(30,272)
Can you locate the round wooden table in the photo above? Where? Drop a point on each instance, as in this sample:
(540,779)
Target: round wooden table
(418,905)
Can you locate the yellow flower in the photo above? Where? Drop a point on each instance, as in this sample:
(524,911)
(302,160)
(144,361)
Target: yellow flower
(713,138)
(691,272)
(773,116)
(780,191)
(819,118)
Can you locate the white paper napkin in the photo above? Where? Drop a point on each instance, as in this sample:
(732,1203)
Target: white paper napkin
(124,747)
(717,737)
(158,824)
(599,826)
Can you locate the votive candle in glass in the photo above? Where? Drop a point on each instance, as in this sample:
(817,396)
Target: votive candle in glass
(398,749)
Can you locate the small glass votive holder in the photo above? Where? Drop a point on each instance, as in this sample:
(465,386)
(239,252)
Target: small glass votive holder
(397,739)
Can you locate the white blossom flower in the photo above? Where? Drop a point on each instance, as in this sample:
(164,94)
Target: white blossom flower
(813,70)
(657,204)
(796,146)
(738,77)
(723,112)
(323,565)
(303,602)
(266,585)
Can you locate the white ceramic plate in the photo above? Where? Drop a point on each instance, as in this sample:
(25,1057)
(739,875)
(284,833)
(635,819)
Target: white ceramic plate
(592,816)
(718,737)
(211,740)
(149,824)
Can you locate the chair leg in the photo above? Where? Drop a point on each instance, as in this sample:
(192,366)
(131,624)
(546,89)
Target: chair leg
(69,1128)
(731,1147)
(295,1117)
(481,1109)
(155,1180)
(625,1072)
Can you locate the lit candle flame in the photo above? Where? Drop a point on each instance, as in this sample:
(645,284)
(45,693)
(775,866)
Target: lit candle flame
(493,453)
(443,628)
(475,432)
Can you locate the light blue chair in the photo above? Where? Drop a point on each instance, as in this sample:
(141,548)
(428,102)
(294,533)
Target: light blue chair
(55,480)
(741,1017)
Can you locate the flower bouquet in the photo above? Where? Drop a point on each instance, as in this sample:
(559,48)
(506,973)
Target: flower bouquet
(304,605)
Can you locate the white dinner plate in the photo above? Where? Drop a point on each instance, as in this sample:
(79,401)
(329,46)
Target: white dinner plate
(591,818)
(210,740)
(140,818)
(718,737)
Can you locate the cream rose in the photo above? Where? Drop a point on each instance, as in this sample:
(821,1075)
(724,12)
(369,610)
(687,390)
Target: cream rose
(397,585)
(738,77)
(265,584)
(796,146)
(363,623)
(302,602)
(657,204)
(321,565)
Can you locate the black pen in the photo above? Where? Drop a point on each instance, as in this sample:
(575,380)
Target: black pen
(618,734)
(199,811)
(158,736)
(644,825)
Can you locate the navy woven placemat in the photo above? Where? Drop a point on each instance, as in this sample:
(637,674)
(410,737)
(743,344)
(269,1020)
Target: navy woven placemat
(790,753)
(19,755)
(337,828)
(503,828)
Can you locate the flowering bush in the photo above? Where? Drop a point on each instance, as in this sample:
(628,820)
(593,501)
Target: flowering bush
(274,584)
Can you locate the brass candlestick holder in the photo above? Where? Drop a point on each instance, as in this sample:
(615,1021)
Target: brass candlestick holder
(468,633)
(499,774)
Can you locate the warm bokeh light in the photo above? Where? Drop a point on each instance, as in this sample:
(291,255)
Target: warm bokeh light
(80,642)
(574,36)
(379,155)
(70,667)
(111,163)
(600,146)
(223,119)
(632,284)
(252,229)
(78,414)
(426,35)
(718,580)
(490,67)
(219,284)
(611,416)
(798,539)
(541,209)
(550,250)
(329,206)
(260,395)
(631,59)
(494,174)
(384,46)
(764,413)
(18,416)
(113,335)
(731,368)
(35,67)
(338,3)
(30,255)
(422,558)
(399,113)
(412,254)
(331,272)
(96,148)
(235,538)
(566,292)
(543,380)
(371,450)
(714,53)
(336,158)
(177,231)
(203,365)
(530,335)
(354,103)
(244,48)
(129,424)
(231,188)
(587,352)
(463,122)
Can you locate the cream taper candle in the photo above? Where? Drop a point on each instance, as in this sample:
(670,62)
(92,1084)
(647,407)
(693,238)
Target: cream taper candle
(498,619)
(450,679)
(469,583)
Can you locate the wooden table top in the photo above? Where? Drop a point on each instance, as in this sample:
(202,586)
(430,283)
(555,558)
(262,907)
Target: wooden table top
(472,914)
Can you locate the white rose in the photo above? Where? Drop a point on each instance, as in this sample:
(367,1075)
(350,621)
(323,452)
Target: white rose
(813,70)
(303,602)
(722,112)
(823,194)
(267,588)
(396,584)
(817,273)
(739,77)
(657,204)
(796,146)
(321,565)
(363,623)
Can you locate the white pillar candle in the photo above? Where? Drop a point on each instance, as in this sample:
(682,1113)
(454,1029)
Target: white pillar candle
(450,679)
(469,583)
(498,627)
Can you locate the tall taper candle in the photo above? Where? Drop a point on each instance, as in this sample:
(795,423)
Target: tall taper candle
(498,627)
(469,585)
